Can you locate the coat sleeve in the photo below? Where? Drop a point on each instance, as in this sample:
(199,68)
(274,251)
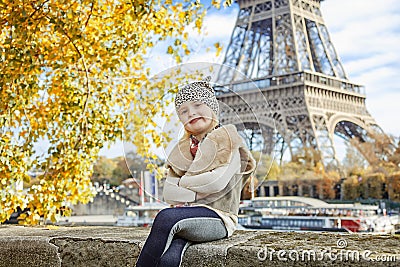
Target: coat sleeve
(212,181)
(174,194)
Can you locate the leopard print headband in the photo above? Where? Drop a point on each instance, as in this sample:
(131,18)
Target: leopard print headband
(198,91)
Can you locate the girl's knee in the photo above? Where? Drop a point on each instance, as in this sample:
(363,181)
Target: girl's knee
(165,216)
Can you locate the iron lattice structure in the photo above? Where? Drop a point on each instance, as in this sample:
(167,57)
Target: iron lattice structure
(283,50)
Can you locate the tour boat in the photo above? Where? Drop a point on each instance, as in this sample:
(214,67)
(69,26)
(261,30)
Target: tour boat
(309,214)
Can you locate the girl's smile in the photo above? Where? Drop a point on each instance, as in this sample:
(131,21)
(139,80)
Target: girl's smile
(196,117)
(192,121)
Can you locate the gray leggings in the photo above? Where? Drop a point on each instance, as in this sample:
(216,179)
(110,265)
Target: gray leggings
(174,229)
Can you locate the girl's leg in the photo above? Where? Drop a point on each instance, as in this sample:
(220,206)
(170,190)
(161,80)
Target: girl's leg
(197,224)
(173,255)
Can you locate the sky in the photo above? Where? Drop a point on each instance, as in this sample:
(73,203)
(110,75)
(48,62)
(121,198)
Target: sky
(365,34)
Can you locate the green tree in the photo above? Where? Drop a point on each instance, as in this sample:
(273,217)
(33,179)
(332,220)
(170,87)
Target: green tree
(120,172)
(352,188)
(370,167)
(103,169)
(393,183)
(372,186)
(72,73)
(267,167)
(309,175)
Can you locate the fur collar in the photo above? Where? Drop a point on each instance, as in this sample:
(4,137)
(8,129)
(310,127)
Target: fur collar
(214,151)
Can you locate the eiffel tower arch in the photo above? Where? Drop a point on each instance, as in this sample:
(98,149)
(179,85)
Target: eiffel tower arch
(283,50)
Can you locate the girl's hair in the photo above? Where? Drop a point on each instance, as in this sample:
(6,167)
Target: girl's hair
(213,124)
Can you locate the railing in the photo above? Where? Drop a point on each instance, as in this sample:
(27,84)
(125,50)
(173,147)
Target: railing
(272,82)
(115,193)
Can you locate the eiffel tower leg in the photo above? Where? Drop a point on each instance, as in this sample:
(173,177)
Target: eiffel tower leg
(324,141)
(268,135)
(367,137)
(301,137)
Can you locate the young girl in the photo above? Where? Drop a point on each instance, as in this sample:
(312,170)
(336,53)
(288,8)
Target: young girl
(205,173)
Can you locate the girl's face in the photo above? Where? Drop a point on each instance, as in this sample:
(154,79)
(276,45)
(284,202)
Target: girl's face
(196,117)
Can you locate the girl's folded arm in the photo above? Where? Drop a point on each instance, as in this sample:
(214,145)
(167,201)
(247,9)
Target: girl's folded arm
(174,194)
(212,181)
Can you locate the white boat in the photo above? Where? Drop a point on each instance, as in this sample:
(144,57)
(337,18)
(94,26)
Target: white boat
(142,215)
(309,214)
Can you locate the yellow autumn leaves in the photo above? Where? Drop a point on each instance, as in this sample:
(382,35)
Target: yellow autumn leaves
(72,78)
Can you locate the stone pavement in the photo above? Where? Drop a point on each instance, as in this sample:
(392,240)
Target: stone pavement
(98,246)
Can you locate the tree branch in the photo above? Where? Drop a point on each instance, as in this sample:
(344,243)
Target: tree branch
(90,14)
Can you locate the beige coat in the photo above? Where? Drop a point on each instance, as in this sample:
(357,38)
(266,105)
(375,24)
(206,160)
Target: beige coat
(215,176)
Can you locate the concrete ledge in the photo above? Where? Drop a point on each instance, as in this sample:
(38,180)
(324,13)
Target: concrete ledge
(118,246)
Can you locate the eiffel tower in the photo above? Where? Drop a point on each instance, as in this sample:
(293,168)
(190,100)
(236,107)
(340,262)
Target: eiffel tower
(283,48)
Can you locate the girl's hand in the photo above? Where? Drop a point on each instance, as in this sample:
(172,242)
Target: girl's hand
(176,195)
(201,195)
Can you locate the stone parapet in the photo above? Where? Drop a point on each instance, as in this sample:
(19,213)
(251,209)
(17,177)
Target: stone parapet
(118,246)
